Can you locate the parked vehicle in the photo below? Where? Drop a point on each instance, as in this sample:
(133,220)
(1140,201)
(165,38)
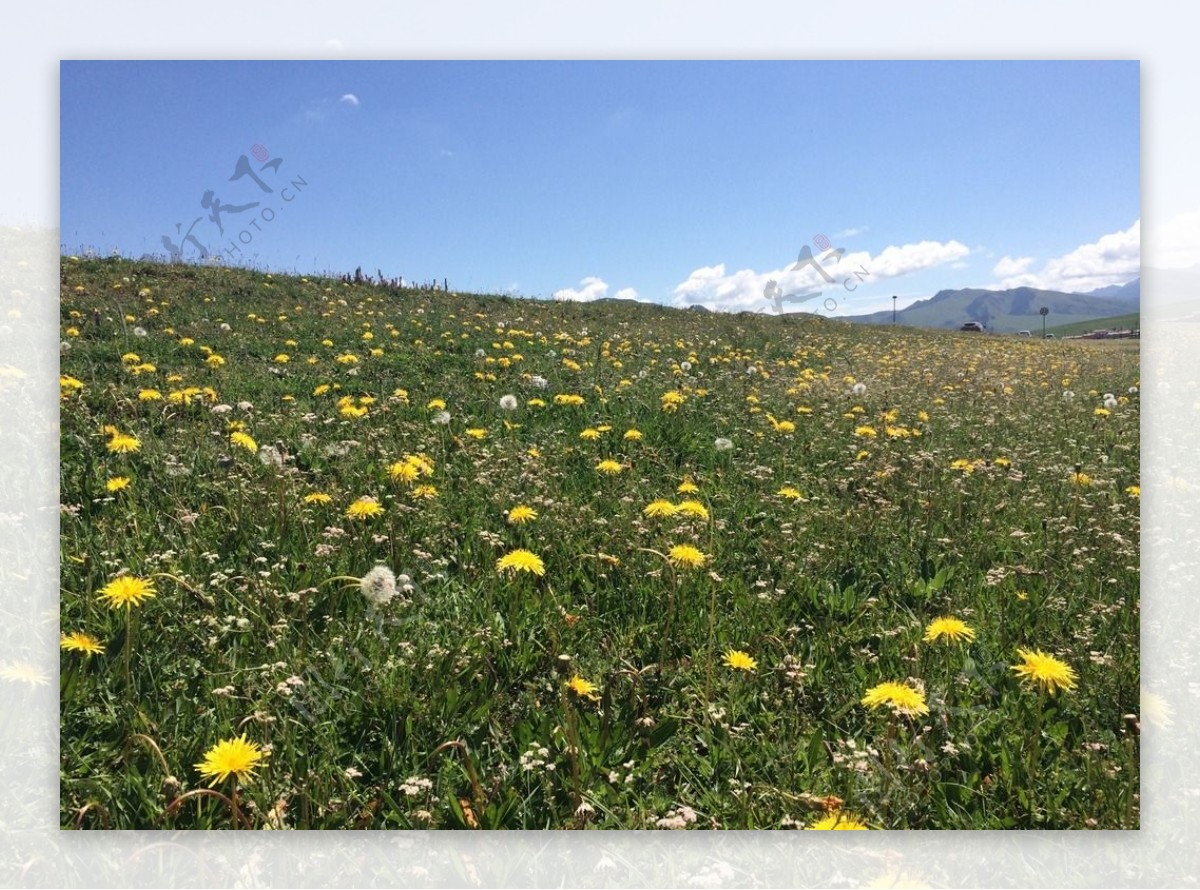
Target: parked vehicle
(1024,334)
(972,326)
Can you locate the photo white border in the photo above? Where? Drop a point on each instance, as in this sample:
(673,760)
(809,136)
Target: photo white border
(34,852)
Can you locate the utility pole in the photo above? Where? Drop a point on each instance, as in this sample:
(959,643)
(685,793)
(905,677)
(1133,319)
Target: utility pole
(894,298)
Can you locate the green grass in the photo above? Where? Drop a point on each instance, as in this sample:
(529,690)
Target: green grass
(1129,322)
(449,706)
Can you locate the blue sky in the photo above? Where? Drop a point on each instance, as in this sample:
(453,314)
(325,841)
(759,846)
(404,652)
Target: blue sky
(672,182)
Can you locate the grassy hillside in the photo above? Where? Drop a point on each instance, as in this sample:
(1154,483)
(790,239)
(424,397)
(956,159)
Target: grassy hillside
(1128,322)
(343,557)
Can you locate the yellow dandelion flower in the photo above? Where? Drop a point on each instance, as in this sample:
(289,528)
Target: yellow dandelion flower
(1102,412)
(692,508)
(659,508)
(117,483)
(317,497)
(364,508)
(238,757)
(282,359)
(126,591)
(404,471)
(1083,480)
(632,435)
(739,660)
(582,688)
(1038,668)
(590,434)
(866,432)
(1134,491)
(521,561)
(566,399)
(122,443)
(900,697)
(838,821)
(789,492)
(685,555)
(521,513)
(477,433)
(149,395)
(687,486)
(214,361)
(609,467)
(425,492)
(951,628)
(244,440)
(81,642)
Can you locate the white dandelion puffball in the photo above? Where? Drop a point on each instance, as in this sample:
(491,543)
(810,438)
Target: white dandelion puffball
(860,389)
(378,585)
(441,418)
(539,381)
(508,403)
(480,353)
(685,366)
(225,327)
(139,332)
(270,457)
(1110,402)
(752,370)
(723,444)
(1068,395)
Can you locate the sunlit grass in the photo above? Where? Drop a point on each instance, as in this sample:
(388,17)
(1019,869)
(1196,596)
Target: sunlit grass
(540,565)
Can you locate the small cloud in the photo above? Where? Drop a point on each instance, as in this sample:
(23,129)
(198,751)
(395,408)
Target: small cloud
(849,233)
(350,99)
(1009,266)
(445,153)
(591,288)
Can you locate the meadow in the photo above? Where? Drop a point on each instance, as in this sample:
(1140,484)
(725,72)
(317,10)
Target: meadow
(339,556)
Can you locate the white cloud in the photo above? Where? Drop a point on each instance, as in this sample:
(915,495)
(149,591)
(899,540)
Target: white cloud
(591,288)
(350,99)
(712,287)
(1176,243)
(1009,267)
(849,233)
(626,293)
(1114,258)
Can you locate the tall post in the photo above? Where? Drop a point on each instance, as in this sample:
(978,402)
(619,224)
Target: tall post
(894,308)
(1044,311)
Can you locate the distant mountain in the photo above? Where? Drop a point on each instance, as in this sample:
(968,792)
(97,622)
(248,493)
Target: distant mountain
(1130,291)
(1004,311)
